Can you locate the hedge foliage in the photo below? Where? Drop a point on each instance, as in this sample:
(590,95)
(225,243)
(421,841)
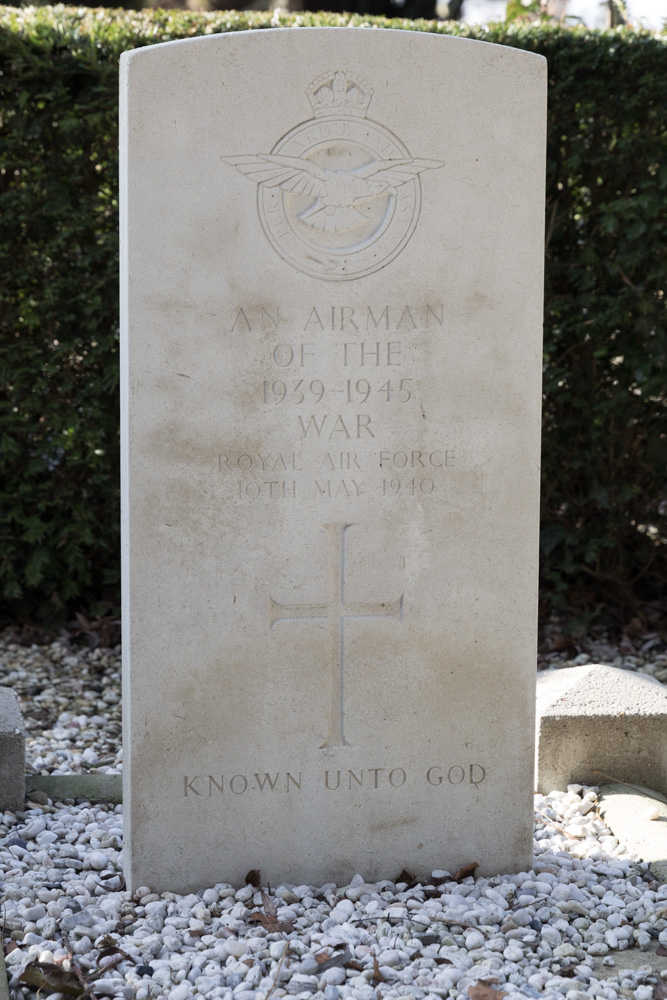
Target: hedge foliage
(604,511)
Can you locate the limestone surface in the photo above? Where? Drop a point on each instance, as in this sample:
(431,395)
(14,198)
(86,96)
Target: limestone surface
(331,337)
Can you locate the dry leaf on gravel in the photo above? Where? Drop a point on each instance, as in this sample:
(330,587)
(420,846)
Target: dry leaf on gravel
(405,876)
(115,950)
(466,871)
(326,961)
(110,875)
(560,642)
(442,879)
(377,975)
(482,991)
(57,979)
(269,918)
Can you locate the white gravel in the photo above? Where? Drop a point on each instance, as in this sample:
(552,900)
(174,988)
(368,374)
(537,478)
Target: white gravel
(71,705)
(535,934)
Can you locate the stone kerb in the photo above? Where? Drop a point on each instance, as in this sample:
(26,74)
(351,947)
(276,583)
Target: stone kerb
(12,752)
(597,724)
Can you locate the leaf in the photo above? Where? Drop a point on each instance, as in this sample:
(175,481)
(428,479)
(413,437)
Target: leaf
(115,950)
(332,961)
(568,971)
(442,880)
(41,974)
(661,950)
(405,876)
(560,643)
(107,942)
(269,923)
(101,969)
(660,991)
(269,918)
(376,971)
(465,871)
(482,991)
(109,875)
(521,10)
(253,878)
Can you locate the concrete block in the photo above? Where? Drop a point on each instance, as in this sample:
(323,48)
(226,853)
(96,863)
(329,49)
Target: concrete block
(597,724)
(12,752)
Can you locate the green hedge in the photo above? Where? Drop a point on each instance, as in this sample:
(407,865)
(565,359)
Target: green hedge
(605,413)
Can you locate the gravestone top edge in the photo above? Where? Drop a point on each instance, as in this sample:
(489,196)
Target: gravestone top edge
(242,37)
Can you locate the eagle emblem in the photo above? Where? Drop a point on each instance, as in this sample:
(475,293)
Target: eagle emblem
(339,195)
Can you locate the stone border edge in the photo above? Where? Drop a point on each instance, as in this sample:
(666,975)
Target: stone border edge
(4,982)
(94,787)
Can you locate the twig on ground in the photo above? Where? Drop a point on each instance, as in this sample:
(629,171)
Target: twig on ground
(87,985)
(280,965)
(637,788)
(551,822)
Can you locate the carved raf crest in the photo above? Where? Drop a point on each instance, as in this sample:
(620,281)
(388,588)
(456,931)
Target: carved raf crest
(339,196)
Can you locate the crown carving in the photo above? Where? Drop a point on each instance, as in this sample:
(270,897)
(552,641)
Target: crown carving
(339,92)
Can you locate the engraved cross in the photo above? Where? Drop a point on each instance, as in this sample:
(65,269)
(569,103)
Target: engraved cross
(336,610)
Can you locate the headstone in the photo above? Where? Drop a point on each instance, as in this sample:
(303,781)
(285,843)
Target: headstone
(12,752)
(598,724)
(332,246)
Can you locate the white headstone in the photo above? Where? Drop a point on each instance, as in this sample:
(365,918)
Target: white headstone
(332,247)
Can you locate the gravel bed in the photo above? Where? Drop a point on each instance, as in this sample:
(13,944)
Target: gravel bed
(71,704)
(68,921)
(536,934)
